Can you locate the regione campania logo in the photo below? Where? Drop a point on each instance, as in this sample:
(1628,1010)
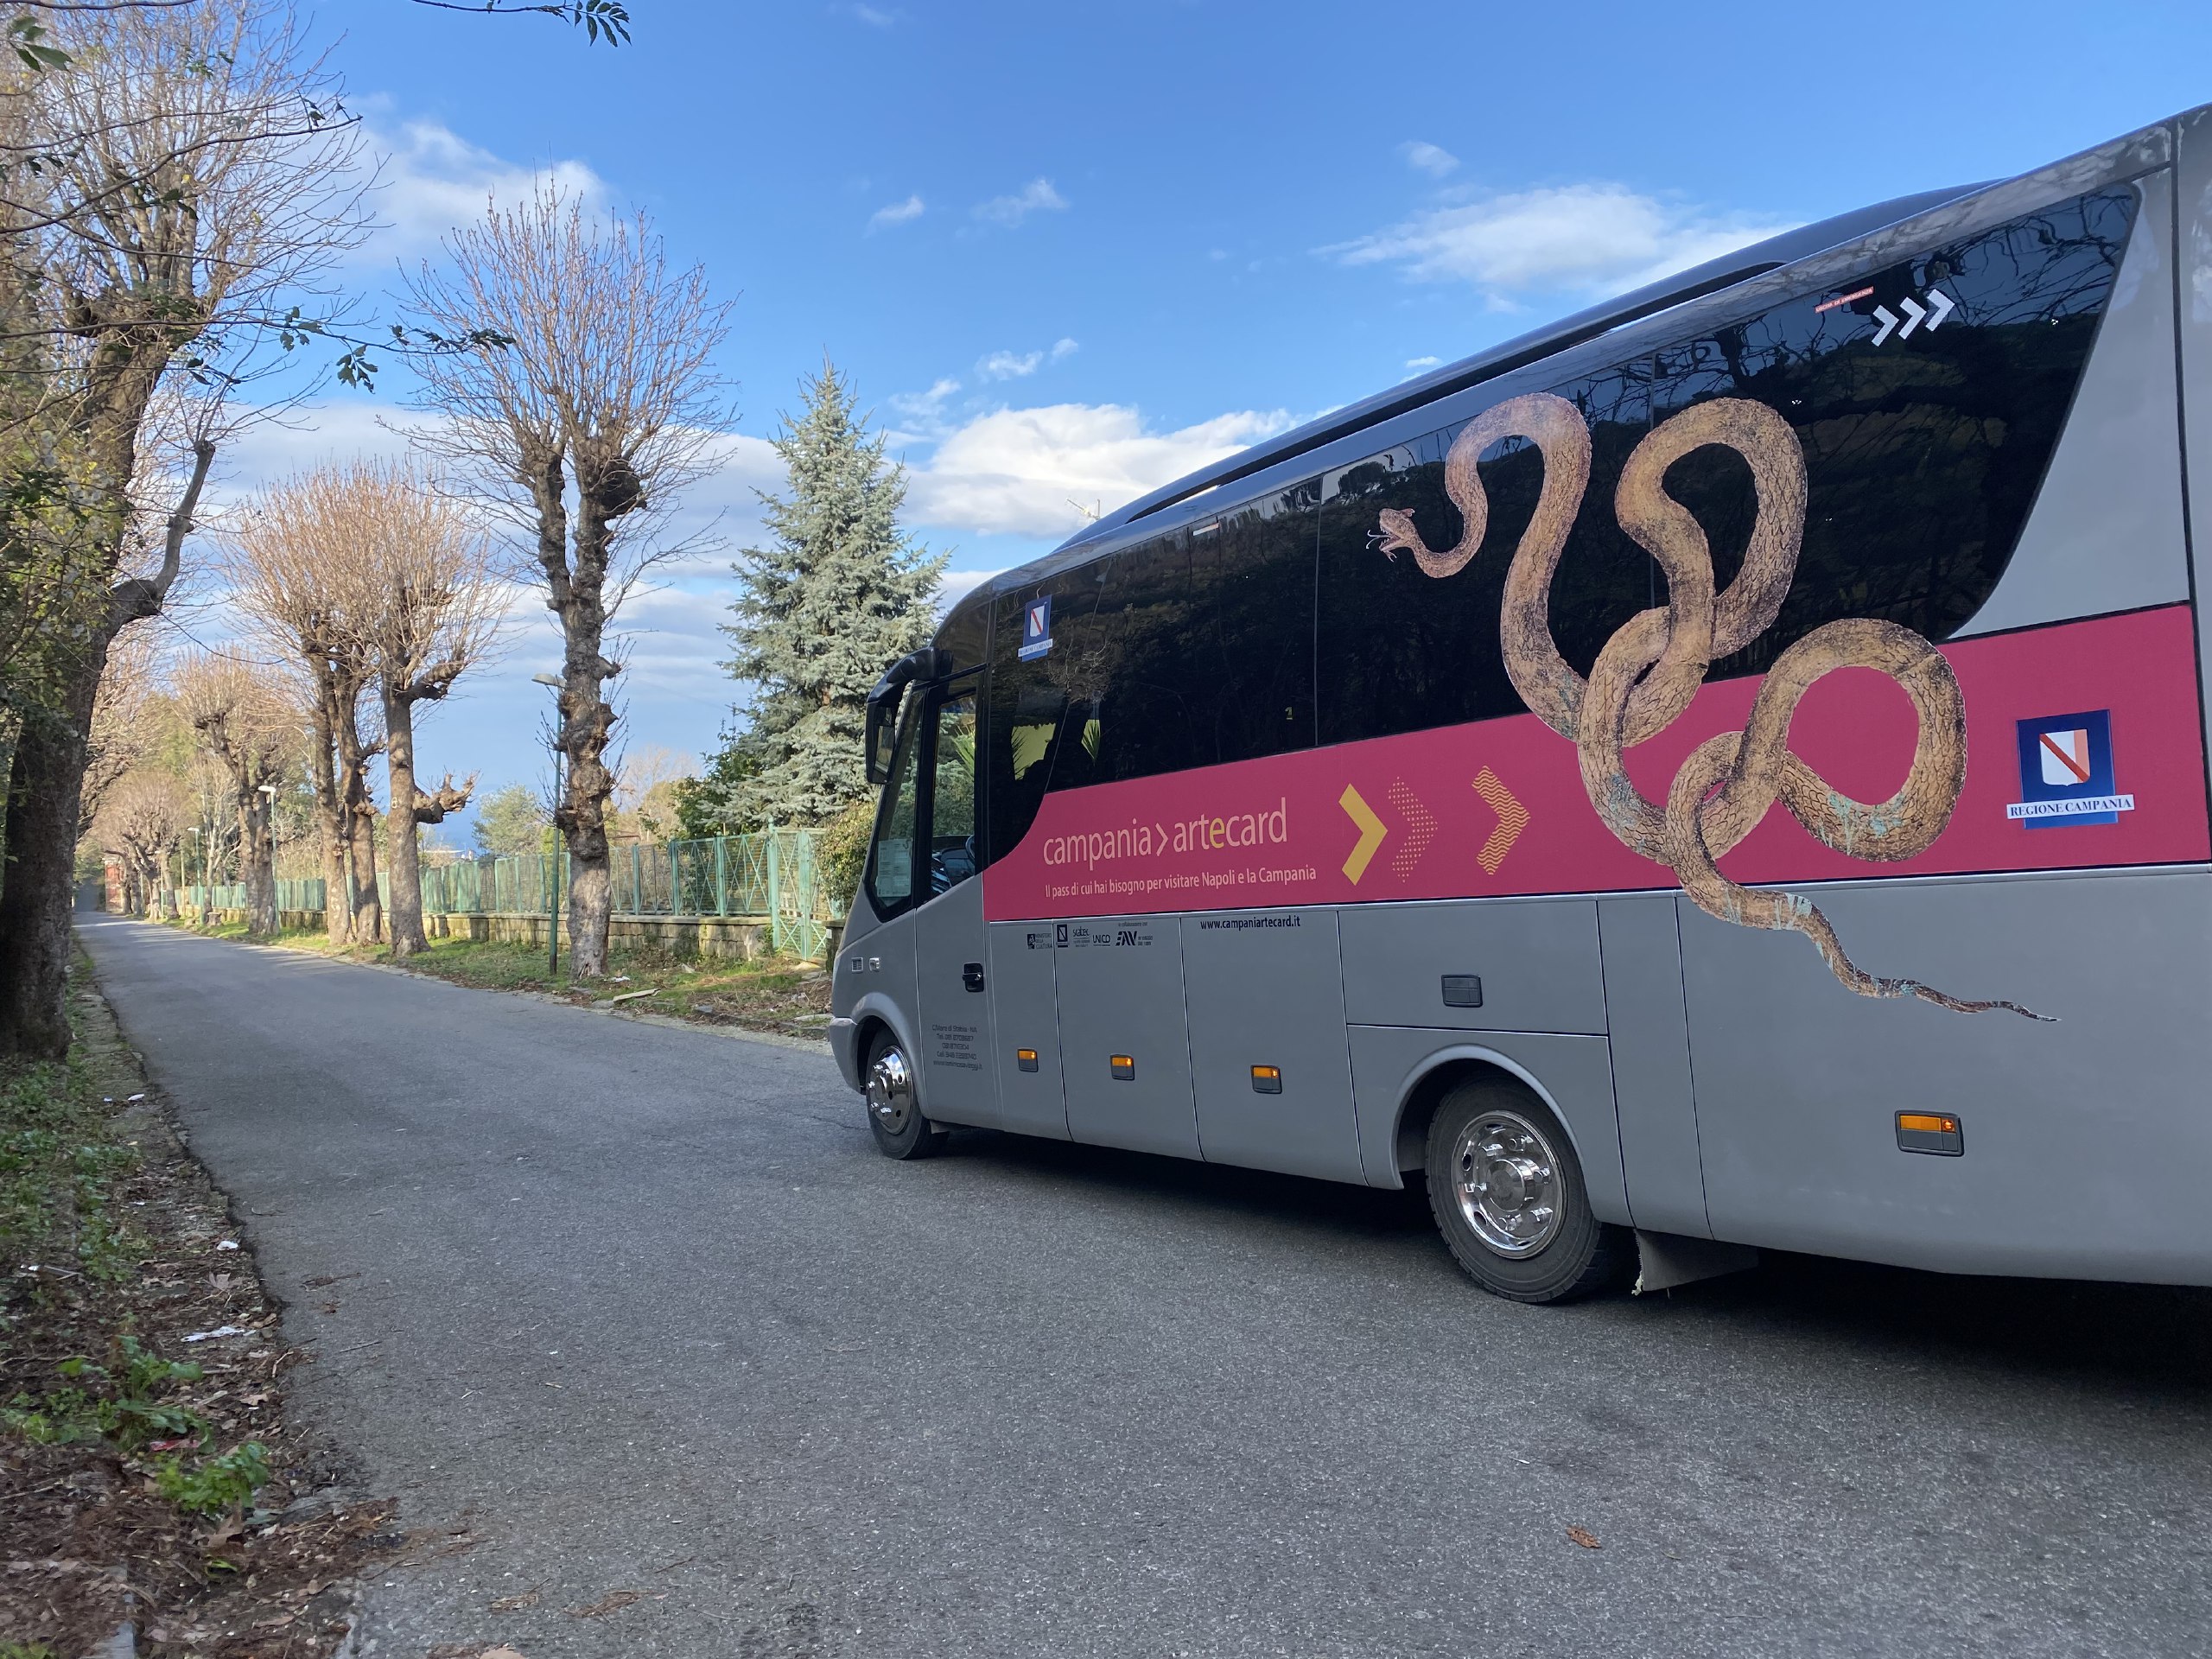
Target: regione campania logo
(1036,628)
(2066,773)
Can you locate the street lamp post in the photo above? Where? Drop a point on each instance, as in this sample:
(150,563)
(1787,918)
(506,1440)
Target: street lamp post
(553,880)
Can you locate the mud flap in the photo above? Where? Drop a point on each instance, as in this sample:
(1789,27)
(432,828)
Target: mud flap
(1666,1259)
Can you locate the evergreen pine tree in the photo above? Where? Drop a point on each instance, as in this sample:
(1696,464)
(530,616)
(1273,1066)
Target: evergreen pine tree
(839,594)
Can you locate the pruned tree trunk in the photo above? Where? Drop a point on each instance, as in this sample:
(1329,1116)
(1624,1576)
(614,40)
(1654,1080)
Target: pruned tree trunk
(407,935)
(45,795)
(360,817)
(330,816)
(582,815)
(410,808)
(607,489)
(258,854)
(367,893)
(38,892)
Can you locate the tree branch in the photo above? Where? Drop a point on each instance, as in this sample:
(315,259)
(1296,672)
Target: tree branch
(433,808)
(142,597)
(607,20)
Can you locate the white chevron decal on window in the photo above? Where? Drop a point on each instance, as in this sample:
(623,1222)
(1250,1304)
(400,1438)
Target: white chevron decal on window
(1939,305)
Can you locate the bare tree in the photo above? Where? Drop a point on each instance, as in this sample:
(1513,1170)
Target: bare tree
(292,559)
(141,822)
(604,396)
(250,724)
(646,783)
(424,601)
(195,176)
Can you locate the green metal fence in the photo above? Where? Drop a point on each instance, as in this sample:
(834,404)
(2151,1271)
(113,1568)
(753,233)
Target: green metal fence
(303,894)
(773,875)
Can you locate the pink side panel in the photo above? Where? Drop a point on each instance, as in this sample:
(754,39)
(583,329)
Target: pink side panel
(1274,832)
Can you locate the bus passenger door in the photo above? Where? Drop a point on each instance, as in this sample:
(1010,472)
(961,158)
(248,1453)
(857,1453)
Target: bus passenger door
(1125,1052)
(1269,1050)
(952,946)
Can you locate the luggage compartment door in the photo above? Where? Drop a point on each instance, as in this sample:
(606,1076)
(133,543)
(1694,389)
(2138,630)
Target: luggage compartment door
(1026,1023)
(1125,1052)
(1269,1059)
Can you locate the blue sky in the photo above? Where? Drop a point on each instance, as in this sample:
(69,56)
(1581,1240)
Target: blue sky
(1069,252)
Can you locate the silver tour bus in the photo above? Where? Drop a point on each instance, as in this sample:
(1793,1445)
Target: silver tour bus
(1724,771)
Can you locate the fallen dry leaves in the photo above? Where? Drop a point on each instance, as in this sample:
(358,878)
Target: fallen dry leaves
(613,1602)
(1580,1536)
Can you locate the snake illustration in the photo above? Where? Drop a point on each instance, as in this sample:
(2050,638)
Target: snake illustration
(1653,666)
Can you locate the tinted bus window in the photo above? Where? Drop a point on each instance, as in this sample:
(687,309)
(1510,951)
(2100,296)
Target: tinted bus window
(1398,651)
(1135,676)
(1252,577)
(1923,454)
(967,634)
(1029,703)
(891,859)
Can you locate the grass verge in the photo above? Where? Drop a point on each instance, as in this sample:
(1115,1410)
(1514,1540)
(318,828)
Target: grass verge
(788,998)
(148,1475)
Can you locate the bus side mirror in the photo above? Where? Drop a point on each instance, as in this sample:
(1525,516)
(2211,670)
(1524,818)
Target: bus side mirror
(882,730)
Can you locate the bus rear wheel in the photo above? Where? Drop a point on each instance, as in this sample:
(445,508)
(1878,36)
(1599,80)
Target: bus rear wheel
(894,1109)
(1507,1191)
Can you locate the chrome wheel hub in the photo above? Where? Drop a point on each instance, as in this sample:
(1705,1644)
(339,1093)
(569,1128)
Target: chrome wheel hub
(891,1091)
(1505,1178)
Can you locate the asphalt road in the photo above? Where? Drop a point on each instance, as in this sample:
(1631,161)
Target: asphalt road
(645,1309)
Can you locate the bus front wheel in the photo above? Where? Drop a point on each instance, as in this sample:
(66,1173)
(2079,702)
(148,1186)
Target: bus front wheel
(1507,1191)
(894,1110)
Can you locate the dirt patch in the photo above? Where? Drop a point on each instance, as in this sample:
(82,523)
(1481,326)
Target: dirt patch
(148,1474)
(792,1001)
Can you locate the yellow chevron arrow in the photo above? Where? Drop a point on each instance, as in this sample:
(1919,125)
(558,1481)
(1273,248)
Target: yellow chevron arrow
(1512,819)
(1371,833)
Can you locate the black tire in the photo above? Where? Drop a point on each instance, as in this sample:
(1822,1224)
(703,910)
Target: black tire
(1519,1221)
(893,1103)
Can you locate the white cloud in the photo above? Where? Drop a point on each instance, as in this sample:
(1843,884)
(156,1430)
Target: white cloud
(1588,237)
(1036,196)
(432,180)
(875,16)
(899,212)
(316,435)
(1022,471)
(1005,366)
(1422,362)
(1012,365)
(924,410)
(1432,159)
